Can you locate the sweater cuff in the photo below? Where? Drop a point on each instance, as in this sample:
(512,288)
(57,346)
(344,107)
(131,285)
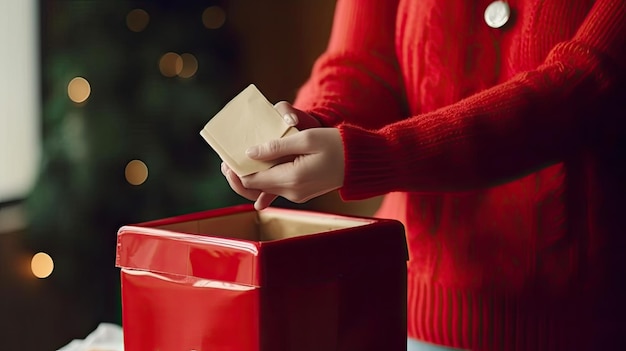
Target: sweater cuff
(368,163)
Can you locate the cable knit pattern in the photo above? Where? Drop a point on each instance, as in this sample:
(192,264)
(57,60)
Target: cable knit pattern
(500,150)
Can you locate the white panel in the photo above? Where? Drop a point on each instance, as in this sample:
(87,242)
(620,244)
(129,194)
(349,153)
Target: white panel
(19,98)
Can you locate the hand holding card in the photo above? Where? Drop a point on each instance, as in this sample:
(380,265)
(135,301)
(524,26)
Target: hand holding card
(247,120)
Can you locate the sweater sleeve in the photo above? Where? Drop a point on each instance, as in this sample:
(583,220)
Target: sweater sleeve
(357,80)
(514,128)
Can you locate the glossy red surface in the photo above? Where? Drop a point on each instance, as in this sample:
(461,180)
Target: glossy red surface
(184,313)
(190,284)
(188,255)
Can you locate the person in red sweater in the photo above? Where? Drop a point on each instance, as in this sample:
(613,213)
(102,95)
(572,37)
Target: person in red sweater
(496,130)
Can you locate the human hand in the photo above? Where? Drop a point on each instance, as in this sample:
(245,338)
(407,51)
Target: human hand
(316,167)
(296,118)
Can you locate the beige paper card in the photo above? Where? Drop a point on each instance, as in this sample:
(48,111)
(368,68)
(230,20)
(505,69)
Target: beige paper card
(247,120)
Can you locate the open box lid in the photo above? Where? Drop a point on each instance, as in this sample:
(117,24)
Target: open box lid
(261,248)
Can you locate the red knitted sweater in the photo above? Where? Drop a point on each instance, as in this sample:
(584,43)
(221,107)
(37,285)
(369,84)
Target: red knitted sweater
(499,149)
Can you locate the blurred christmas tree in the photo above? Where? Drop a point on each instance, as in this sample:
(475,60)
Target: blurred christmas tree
(127,86)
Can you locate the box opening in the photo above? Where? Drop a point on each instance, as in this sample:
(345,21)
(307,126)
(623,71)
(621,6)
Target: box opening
(267,225)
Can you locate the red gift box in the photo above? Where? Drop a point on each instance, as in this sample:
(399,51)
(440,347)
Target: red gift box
(272,280)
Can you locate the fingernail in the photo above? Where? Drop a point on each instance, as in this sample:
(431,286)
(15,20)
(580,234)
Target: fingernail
(252,151)
(223,168)
(290,119)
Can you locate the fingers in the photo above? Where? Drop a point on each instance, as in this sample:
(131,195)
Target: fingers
(264,201)
(288,112)
(282,180)
(296,144)
(269,180)
(294,117)
(235,183)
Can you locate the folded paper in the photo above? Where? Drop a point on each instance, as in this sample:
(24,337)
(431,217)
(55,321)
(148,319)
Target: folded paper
(106,337)
(247,120)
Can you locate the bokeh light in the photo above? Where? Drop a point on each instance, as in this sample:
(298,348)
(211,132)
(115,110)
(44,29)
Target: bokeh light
(170,64)
(137,20)
(78,89)
(41,265)
(190,66)
(136,172)
(213,17)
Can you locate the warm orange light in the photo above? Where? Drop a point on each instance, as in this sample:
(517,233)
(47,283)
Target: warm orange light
(213,17)
(136,172)
(137,20)
(170,64)
(190,66)
(78,89)
(41,265)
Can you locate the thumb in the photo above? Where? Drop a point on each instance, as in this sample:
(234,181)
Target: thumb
(291,145)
